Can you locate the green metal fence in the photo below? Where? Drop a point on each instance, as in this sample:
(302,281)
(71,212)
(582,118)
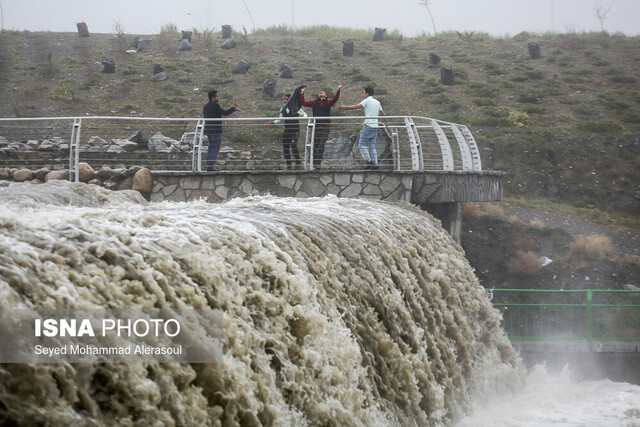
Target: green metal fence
(575,315)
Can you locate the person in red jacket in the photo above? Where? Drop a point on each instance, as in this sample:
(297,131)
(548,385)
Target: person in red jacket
(321,107)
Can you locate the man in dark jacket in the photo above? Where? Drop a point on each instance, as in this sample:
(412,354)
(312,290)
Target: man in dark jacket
(213,128)
(321,108)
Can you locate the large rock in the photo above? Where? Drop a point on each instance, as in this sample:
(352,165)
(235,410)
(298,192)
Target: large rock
(143,181)
(228,44)
(226,31)
(83,30)
(41,173)
(108,66)
(96,141)
(85,172)
(62,174)
(378,33)
(48,146)
(285,72)
(241,67)
(161,144)
(4,173)
(143,45)
(347,47)
(23,175)
(269,87)
(184,45)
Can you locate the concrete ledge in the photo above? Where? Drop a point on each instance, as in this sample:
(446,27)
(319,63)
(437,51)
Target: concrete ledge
(577,346)
(417,187)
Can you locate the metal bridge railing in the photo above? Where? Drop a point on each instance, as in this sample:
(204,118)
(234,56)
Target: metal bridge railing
(569,315)
(415,143)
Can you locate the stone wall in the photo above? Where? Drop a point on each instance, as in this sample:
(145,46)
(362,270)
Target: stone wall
(218,187)
(410,187)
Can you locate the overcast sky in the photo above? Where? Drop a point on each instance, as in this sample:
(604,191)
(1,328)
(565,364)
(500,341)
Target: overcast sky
(497,17)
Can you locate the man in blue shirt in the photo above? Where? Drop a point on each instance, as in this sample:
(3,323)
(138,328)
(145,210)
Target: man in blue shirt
(213,128)
(369,133)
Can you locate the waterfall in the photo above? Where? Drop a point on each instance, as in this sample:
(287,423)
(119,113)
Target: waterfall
(336,311)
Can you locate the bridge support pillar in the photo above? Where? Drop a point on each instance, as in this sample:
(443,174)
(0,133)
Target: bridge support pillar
(450,214)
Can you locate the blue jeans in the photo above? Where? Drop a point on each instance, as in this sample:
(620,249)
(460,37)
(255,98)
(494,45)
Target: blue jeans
(215,140)
(368,137)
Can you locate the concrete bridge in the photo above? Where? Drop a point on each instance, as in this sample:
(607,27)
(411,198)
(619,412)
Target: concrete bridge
(427,162)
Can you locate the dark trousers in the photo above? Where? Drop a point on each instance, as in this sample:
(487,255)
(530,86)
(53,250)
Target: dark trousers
(215,140)
(290,145)
(319,141)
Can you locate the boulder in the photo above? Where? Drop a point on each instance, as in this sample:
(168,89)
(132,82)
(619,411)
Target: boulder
(140,139)
(226,31)
(184,45)
(434,59)
(347,47)
(22,175)
(105,173)
(229,43)
(446,76)
(85,172)
(116,149)
(62,174)
(143,45)
(159,77)
(157,69)
(241,67)
(83,30)
(48,146)
(126,184)
(269,87)
(96,141)
(534,50)
(285,72)
(143,181)
(108,66)
(41,173)
(378,33)
(3,142)
(4,174)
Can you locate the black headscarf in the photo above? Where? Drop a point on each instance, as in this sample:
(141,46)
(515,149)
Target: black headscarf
(293,105)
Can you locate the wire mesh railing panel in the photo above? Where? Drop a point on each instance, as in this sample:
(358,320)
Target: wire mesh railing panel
(540,315)
(122,142)
(247,144)
(35,143)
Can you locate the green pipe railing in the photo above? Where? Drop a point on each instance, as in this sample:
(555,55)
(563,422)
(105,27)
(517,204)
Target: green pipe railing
(569,315)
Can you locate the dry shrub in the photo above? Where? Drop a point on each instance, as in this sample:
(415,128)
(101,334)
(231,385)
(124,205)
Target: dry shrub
(513,219)
(536,223)
(471,209)
(495,210)
(594,246)
(526,263)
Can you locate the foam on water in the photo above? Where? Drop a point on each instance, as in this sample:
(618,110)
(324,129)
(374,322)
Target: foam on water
(336,311)
(558,400)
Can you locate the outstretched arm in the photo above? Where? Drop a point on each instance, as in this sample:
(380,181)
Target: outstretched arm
(349,107)
(333,100)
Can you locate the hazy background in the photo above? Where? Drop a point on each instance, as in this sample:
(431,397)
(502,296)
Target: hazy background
(496,17)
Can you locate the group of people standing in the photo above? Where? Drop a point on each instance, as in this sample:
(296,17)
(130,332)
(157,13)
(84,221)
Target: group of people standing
(290,114)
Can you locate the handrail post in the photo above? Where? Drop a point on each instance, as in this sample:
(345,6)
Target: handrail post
(196,160)
(308,143)
(74,174)
(589,315)
(417,159)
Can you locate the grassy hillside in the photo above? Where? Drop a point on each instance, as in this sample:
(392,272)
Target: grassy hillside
(565,127)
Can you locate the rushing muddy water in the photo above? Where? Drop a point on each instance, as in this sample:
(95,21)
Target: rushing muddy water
(336,311)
